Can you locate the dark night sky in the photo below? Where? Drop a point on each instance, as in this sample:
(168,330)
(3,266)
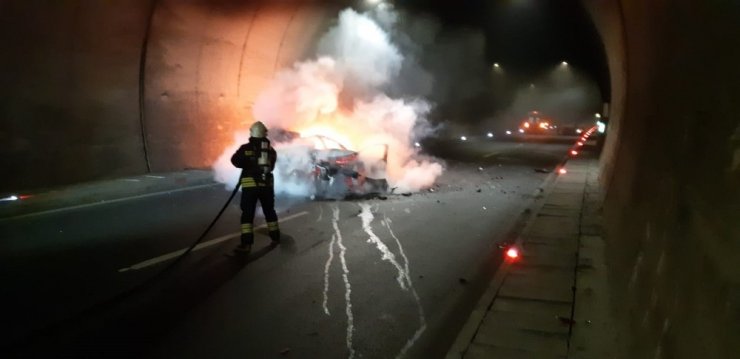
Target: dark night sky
(528,37)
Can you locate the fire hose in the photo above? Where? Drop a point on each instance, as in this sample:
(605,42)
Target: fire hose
(99,307)
(203,235)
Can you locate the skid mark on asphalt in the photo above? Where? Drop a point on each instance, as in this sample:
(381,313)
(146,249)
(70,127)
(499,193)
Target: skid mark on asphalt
(407,275)
(367,218)
(345,277)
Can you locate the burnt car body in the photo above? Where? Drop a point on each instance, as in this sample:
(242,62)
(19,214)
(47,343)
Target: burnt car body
(336,171)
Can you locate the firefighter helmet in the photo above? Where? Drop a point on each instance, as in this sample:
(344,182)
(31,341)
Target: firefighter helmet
(258,130)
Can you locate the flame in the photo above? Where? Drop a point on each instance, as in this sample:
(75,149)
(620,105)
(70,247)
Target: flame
(336,100)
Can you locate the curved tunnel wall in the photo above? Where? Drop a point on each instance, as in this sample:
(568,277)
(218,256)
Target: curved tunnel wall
(671,167)
(71,112)
(70,95)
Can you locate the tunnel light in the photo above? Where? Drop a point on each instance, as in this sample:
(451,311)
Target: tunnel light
(512,253)
(562,171)
(526,124)
(463,138)
(496,65)
(574,153)
(508,132)
(578,130)
(564,63)
(417,144)
(521,131)
(598,115)
(579,143)
(490,135)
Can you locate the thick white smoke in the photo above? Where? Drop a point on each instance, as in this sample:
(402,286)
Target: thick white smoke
(340,94)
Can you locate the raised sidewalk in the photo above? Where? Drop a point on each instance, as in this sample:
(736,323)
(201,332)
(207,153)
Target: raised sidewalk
(552,301)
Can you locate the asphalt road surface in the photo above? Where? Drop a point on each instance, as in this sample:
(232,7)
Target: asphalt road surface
(374,278)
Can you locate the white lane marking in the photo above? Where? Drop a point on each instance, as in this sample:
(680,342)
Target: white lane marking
(326,273)
(175,254)
(422,318)
(347,286)
(367,217)
(86,205)
(150,176)
(321,213)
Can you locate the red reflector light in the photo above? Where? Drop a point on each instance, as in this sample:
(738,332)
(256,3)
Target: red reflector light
(512,253)
(562,171)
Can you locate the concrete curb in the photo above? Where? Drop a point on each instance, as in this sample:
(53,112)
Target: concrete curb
(86,194)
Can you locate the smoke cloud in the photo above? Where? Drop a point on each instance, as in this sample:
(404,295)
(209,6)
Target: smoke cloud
(565,95)
(343,94)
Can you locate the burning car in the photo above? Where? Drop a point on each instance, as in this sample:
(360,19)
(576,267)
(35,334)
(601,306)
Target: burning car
(335,171)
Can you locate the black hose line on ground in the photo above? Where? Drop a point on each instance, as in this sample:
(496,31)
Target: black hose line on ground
(208,229)
(100,307)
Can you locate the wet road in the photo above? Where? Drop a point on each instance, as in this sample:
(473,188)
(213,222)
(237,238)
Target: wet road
(368,279)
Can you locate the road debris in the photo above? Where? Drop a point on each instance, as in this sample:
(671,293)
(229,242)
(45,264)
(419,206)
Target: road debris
(478,190)
(542,170)
(406,194)
(285,351)
(462,281)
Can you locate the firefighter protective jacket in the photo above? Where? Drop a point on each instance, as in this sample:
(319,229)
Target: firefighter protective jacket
(247,157)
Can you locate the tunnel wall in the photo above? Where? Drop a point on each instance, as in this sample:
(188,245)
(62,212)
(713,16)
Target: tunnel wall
(671,169)
(81,103)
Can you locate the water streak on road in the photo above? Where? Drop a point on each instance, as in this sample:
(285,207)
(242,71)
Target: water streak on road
(347,285)
(407,273)
(367,218)
(327,267)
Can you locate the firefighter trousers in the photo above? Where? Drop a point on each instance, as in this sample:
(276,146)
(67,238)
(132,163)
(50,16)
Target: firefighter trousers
(266,196)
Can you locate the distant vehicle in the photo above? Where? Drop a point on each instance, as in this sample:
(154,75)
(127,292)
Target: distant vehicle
(332,161)
(537,124)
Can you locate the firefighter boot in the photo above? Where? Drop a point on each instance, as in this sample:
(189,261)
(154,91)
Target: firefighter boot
(274,231)
(247,239)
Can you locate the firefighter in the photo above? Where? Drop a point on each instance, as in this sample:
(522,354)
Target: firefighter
(257,160)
